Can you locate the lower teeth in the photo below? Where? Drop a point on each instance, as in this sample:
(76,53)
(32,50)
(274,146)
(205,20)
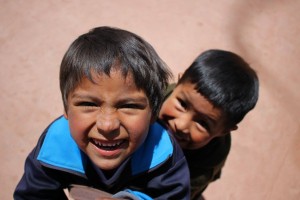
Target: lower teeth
(107,148)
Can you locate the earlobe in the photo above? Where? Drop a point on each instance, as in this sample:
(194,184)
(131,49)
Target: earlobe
(234,128)
(179,75)
(65,115)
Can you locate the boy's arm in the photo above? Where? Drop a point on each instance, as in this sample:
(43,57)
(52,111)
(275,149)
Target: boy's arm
(169,181)
(200,182)
(81,192)
(175,183)
(36,183)
(172,180)
(207,168)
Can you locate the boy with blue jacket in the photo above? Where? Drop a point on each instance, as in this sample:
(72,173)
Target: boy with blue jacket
(112,84)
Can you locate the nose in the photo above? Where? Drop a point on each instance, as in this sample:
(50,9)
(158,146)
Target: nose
(182,124)
(107,121)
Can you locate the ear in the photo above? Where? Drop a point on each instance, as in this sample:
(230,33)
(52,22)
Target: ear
(227,131)
(179,75)
(234,128)
(65,115)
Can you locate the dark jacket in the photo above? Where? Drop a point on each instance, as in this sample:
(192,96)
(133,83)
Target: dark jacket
(206,163)
(157,169)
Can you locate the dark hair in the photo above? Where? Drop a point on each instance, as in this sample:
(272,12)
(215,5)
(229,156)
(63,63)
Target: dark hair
(105,48)
(226,81)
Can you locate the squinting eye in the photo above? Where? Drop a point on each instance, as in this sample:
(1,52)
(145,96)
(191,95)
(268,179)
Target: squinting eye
(132,106)
(204,124)
(182,103)
(87,104)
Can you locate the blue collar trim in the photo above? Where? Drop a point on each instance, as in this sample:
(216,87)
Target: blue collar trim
(60,150)
(156,150)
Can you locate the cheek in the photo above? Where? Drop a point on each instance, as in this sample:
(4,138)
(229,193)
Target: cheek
(138,135)
(168,109)
(79,131)
(138,128)
(200,139)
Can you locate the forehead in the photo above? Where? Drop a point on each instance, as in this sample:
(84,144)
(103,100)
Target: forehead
(198,103)
(116,74)
(113,88)
(115,83)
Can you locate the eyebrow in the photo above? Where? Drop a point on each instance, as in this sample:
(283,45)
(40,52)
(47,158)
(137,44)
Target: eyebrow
(212,120)
(82,96)
(136,100)
(125,99)
(205,115)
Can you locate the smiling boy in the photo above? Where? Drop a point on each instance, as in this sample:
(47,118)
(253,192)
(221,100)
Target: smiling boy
(213,95)
(112,84)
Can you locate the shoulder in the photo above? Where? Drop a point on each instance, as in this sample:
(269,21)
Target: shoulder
(214,153)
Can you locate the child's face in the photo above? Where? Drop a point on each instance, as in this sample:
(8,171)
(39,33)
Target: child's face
(193,120)
(109,119)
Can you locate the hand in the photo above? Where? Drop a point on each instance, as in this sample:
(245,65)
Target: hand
(81,192)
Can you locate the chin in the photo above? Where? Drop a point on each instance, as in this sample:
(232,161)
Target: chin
(107,166)
(189,146)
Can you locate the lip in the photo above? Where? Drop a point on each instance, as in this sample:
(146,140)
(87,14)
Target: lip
(174,132)
(108,149)
(179,137)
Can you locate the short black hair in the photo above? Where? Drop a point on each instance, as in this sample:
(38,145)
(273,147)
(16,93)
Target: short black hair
(225,80)
(105,48)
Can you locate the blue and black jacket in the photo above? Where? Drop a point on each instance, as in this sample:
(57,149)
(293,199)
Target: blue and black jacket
(157,170)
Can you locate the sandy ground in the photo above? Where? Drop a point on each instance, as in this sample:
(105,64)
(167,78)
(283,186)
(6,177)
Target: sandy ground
(264,163)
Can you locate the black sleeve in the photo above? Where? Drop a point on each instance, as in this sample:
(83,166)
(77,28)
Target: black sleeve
(37,182)
(171,181)
(206,164)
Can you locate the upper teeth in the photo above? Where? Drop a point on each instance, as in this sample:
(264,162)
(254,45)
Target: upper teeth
(112,144)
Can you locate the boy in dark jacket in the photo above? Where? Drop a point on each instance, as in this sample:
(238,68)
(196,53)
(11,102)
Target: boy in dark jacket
(112,84)
(210,99)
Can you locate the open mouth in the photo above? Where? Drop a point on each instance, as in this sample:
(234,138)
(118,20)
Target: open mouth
(107,146)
